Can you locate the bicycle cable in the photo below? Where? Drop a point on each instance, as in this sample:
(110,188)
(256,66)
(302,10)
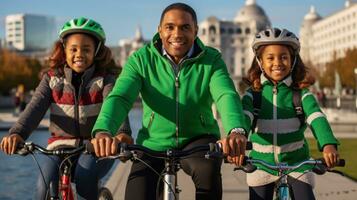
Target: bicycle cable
(69,161)
(39,167)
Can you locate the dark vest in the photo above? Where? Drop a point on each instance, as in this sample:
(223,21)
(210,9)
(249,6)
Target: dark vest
(71,116)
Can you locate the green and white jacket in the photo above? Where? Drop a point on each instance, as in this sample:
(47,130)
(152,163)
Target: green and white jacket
(278,136)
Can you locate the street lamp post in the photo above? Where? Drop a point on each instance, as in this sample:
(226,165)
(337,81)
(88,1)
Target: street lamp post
(355,70)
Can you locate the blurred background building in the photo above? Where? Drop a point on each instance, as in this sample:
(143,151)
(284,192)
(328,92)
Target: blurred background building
(328,38)
(234,37)
(127,46)
(27,32)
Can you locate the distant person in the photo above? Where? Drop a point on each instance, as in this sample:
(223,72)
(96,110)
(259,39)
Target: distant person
(20,99)
(278,80)
(179,78)
(80,77)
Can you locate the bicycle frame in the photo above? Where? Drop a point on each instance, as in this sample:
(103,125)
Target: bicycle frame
(66,186)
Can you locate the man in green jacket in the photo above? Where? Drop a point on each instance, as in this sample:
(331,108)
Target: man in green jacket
(178,78)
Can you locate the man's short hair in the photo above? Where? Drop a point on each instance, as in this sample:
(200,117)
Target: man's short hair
(180,6)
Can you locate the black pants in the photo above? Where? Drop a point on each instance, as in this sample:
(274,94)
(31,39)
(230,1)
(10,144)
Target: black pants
(300,191)
(205,173)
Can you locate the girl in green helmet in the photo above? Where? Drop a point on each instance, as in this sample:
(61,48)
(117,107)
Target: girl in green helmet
(80,76)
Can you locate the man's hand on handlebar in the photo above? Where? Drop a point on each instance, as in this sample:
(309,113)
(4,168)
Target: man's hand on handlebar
(106,145)
(233,147)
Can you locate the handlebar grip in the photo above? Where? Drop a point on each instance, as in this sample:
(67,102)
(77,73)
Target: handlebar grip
(341,163)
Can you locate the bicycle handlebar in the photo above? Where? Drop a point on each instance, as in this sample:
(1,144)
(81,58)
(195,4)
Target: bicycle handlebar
(30,147)
(212,150)
(126,151)
(320,165)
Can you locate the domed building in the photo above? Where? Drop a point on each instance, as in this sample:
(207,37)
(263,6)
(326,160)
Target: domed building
(128,46)
(234,38)
(323,39)
(306,33)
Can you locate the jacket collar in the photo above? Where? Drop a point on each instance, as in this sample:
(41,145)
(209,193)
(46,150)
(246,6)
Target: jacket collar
(287,81)
(87,74)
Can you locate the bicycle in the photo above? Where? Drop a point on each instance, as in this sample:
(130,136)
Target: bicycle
(66,189)
(282,187)
(171,157)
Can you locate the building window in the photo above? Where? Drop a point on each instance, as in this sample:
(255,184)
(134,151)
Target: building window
(212,30)
(223,30)
(243,50)
(247,31)
(212,40)
(230,31)
(238,30)
(203,31)
(17,22)
(243,61)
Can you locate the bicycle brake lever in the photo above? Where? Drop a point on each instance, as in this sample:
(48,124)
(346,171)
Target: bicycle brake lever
(319,169)
(248,168)
(24,149)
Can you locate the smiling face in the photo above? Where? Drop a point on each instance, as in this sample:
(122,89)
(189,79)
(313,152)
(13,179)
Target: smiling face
(276,62)
(79,50)
(177,32)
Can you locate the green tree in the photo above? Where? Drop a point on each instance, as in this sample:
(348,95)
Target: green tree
(16,69)
(345,68)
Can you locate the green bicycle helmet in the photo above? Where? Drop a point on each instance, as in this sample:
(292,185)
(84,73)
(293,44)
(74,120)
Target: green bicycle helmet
(83,25)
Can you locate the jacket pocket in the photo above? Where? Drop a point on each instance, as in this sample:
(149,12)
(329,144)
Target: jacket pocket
(151,119)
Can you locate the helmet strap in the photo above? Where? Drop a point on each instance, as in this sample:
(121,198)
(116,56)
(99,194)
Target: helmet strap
(293,65)
(98,47)
(260,64)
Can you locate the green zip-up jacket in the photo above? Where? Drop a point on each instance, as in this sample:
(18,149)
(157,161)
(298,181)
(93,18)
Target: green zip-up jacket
(176,107)
(278,136)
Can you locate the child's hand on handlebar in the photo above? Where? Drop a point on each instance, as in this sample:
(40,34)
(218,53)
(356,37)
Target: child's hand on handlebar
(9,143)
(330,155)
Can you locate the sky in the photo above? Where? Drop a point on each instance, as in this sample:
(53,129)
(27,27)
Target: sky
(120,18)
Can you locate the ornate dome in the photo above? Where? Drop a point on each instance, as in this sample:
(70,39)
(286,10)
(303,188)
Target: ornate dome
(312,15)
(252,11)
